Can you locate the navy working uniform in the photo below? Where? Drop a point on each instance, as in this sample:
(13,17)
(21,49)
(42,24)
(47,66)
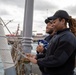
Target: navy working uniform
(42,55)
(60,54)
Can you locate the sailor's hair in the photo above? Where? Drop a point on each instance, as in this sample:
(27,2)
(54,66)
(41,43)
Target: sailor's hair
(72,25)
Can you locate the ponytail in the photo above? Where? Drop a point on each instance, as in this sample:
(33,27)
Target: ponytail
(72,25)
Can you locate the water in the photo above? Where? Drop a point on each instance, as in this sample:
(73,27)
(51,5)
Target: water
(34,45)
(33,51)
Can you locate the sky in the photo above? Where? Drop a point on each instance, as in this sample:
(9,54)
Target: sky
(14,10)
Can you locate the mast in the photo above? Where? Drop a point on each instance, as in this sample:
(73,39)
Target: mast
(27,26)
(27,30)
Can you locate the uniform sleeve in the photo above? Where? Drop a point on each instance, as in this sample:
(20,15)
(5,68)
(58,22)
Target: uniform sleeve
(38,56)
(60,56)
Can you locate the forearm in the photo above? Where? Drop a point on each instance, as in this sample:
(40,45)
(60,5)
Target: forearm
(38,56)
(60,56)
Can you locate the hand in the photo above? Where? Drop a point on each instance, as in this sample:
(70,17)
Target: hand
(32,60)
(26,60)
(39,48)
(30,55)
